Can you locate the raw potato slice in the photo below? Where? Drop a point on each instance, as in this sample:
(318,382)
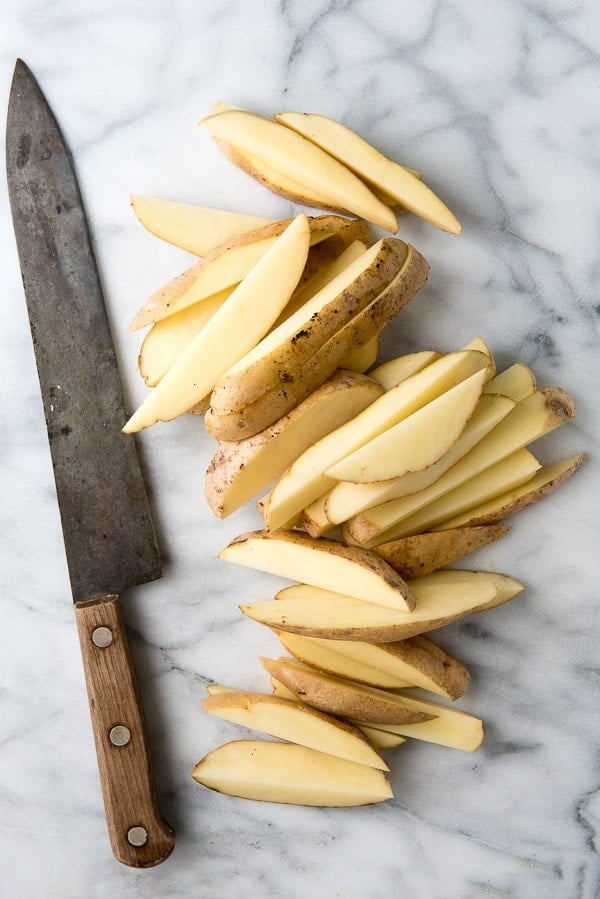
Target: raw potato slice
(242,469)
(392,373)
(290,774)
(507,587)
(479,344)
(323,563)
(323,655)
(306,480)
(546,481)
(294,722)
(313,612)
(346,499)
(301,165)
(381,739)
(370,165)
(242,320)
(269,363)
(416,662)
(225,267)
(516,382)
(382,523)
(450,727)
(364,357)
(420,554)
(417,442)
(340,697)
(197,229)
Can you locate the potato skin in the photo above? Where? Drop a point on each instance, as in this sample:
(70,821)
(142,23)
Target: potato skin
(422,553)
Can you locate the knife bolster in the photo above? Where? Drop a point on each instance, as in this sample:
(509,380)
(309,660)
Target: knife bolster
(138,835)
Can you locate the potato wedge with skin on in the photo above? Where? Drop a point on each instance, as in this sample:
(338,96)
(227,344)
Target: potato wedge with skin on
(244,317)
(390,374)
(294,722)
(340,697)
(240,470)
(306,480)
(418,441)
(416,662)
(290,774)
(364,357)
(305,374)
(324,563)
(304,169)
(517,382)
(372,167)
(381,739)
(423,553)
(197,229)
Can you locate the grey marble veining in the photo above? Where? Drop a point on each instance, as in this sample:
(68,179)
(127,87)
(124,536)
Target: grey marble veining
(497,103)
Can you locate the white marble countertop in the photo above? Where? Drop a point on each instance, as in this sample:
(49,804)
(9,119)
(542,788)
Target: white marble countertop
(497,103)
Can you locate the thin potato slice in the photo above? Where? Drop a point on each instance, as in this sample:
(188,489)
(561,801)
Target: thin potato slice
(340,697)
(293,722)
(517,382)
(390,374)
(290,774)
(323,563)
(381,739)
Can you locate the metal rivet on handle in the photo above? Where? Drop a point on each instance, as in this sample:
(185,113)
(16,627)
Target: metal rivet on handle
(137,836)
(119,735)
(102,637)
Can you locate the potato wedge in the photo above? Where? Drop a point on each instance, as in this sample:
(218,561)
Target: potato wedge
(304,169)
(290,774)
(237,325)
(506,586)
(294,722)
(306,480)
(240,470)
(418,441)
(517,382)
(546,481)
(324,563)
(422,553)
(372,167)
(340,697)
(314,612)
(364,357)
(381,739)
(390,374)
(197,229)
(416,662)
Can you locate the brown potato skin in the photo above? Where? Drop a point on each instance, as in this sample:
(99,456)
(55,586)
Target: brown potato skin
(425,655)
(422,553)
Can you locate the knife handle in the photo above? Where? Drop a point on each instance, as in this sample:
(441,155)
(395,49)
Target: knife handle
(138,835)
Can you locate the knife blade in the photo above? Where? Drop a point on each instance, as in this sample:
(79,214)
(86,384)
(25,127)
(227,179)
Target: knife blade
(109,537)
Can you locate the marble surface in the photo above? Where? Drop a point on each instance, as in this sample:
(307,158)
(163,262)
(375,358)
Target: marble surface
(497,103)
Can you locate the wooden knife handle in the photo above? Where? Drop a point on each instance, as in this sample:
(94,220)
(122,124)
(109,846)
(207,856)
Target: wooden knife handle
(138,835)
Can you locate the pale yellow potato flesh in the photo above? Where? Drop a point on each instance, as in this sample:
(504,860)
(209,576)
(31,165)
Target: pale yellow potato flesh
(300,161)
(306,481)
(242,469)
(390,374)
(388,522)
(479,344)
(381,739)
(416,662)
(245,316)
(546,481)
(325,563)
(517,382)
(422,553)
(337,696)
(293,722)
(324,656)
(197,229)
(346,499)
(314,612)
(375,169)
(364,357)
(290,774)
(506,586)
(418,441)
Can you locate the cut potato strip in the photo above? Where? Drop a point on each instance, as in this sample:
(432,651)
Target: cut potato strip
(546,481)
(422,553)
(384,523)
(516,382)
(242,469)
(418,441)
(372,167)
(416,662)
(306,480)
(314,612)
(297,159)
(323,563)
(506,586)
(392,373)
(244,318)
(381,739)
(294,722)
(364,357)
(197,229)
(340,697)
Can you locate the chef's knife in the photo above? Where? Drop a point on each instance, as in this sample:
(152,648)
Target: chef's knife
(109,538)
